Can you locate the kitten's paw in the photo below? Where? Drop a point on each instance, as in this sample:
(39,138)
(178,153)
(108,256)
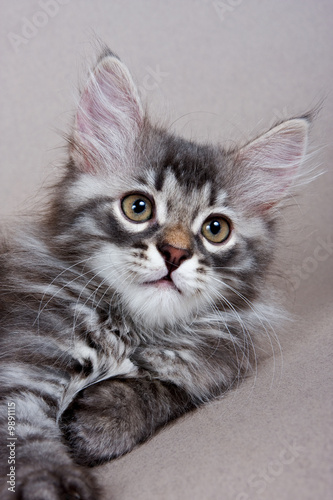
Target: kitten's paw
(105,421)
(68,482)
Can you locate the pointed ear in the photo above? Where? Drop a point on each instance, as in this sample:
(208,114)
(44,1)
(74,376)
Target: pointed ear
(270,164)
(108,119)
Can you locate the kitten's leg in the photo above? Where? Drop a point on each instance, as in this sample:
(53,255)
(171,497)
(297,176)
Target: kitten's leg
(108,419)
(34,462)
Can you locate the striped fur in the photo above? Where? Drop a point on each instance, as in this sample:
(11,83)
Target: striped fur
(105,335)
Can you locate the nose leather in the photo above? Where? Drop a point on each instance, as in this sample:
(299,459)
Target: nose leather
(173,256)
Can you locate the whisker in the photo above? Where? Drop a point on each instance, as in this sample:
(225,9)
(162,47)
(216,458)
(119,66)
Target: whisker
(263,323)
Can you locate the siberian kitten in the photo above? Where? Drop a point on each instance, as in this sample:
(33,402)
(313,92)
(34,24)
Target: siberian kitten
(140,293)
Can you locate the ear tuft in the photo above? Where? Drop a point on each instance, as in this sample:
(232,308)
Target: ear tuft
(108,119)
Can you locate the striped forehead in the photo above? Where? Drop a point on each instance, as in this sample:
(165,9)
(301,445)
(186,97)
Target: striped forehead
(175,202)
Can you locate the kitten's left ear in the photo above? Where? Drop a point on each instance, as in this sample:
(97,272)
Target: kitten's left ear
(108,119)
(270,164)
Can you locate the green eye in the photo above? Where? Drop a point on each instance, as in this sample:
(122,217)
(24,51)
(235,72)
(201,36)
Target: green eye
(216,229)
(137,207)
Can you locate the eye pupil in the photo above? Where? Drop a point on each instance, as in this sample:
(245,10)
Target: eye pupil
(139,206)
(215,227)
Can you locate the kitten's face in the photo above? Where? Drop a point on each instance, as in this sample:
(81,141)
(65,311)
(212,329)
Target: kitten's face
(170,226)
(163,266)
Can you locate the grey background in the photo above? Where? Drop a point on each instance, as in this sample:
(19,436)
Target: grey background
(224,71)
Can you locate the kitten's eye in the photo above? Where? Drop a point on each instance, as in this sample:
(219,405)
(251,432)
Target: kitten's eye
(137,207)
(216,229)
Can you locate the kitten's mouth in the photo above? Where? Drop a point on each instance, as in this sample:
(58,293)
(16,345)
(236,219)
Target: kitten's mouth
(165,282)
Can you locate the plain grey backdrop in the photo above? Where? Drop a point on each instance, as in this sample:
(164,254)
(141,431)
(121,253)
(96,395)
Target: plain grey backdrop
(224,71)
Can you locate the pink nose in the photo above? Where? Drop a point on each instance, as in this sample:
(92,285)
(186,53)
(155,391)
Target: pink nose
(173,256)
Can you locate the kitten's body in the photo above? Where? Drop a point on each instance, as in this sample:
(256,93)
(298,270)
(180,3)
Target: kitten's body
(156,311)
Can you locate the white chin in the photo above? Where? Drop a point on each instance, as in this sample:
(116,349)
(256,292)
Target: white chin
(158,305)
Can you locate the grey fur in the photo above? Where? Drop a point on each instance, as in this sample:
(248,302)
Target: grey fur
(101,338)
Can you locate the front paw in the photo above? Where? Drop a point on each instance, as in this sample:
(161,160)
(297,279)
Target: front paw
(66,482)
(105,421)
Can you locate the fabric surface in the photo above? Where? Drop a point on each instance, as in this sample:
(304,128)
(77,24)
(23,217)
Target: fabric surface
(218,70)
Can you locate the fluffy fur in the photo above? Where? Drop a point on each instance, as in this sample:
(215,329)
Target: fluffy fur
(109,327)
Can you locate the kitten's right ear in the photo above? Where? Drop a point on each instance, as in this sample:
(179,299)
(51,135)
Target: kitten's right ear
(108,119)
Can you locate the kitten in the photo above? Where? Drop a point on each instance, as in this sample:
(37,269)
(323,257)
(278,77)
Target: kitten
(140,293)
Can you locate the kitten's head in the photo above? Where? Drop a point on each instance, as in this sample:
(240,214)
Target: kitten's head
(171,226)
